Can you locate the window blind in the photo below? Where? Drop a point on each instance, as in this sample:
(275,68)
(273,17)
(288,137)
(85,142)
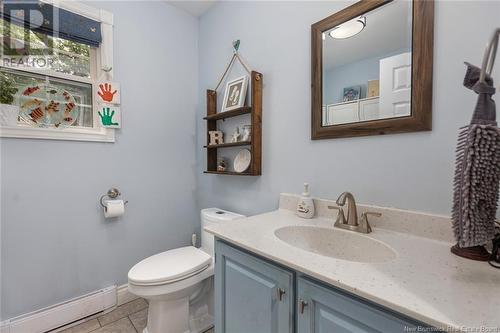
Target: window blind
(51,20)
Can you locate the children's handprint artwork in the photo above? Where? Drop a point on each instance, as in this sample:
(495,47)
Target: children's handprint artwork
(108,98)
(108,92)
(110,116)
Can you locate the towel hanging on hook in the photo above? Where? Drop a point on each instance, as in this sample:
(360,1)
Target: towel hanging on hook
(477,169)
(236,55)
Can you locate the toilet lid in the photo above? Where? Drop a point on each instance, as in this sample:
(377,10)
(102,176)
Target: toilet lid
(169,266)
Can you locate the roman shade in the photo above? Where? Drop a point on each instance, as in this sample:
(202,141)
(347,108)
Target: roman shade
(53,21)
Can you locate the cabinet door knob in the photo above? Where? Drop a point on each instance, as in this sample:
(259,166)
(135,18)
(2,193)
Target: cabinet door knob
(302,305)
(281,292)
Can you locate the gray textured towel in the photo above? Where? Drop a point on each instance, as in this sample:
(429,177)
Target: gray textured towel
(477,172)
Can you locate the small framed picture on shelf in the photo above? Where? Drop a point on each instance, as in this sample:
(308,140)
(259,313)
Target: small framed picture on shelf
(351,93)
(234,96)
(373,88)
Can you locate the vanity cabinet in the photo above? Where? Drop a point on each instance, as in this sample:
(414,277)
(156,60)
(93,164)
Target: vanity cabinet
(251,295)
(325,310)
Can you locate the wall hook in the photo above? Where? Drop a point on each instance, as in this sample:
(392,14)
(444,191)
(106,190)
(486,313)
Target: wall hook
(236,45)
(489,56)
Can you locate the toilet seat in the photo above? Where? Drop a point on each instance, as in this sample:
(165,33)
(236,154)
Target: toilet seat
(169,267)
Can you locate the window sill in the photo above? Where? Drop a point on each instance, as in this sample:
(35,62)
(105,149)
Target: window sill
(69,134)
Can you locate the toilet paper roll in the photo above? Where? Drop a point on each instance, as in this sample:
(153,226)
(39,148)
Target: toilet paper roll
(114,208)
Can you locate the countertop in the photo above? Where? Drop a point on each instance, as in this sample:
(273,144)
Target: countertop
(425,281)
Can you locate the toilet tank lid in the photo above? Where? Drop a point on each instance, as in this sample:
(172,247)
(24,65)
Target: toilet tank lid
(219,215)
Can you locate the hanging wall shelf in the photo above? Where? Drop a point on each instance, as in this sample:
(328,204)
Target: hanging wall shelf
(255,111)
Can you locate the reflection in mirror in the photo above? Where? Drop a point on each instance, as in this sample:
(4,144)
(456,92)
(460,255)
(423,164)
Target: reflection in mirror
(367,66)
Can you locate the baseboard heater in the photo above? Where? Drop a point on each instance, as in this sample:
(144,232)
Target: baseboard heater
(60,314)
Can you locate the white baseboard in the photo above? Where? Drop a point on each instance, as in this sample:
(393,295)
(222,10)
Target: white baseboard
(123,295)
(62,313)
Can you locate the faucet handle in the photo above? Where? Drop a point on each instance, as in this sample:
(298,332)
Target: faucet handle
(340,215)
(365,225)
(365,214)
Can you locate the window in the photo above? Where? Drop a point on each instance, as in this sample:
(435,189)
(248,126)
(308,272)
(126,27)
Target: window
(61,68)
(81,92)
(65,56)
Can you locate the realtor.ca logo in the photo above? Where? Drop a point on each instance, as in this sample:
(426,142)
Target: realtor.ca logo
(25,29)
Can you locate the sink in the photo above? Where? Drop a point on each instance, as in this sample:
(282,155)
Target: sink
(335,243)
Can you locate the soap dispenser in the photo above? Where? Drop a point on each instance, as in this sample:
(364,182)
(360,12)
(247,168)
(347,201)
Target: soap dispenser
(305,207)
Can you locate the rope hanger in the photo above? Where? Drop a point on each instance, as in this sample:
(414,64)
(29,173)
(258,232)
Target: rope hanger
(236,56)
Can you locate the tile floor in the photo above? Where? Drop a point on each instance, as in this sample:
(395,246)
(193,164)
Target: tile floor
(127,318)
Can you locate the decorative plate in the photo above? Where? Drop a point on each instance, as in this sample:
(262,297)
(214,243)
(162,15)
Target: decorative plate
(242,160)
(45,106)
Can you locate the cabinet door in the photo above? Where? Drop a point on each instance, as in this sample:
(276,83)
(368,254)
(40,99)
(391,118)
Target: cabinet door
(343,113)
(327,310)
(369,109)
(251,295)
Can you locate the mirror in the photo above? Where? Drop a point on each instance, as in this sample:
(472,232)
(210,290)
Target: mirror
(372,69)
(367,66)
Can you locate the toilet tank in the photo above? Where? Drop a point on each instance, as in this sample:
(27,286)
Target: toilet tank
(211,216)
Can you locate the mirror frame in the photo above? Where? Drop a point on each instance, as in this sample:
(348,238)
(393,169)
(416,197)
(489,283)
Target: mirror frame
(421,80)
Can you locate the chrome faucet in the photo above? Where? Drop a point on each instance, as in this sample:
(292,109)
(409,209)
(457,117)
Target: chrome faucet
(351,223)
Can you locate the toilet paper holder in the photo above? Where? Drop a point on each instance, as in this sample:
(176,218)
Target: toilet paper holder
(113,193)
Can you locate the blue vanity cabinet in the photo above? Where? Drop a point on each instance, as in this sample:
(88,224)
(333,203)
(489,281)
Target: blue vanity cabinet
(251,295)
(326,310)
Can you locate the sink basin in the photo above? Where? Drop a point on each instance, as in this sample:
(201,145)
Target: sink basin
(335,243)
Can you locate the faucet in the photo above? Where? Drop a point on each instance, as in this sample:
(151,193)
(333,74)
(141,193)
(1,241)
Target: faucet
(352,212)
(351,223)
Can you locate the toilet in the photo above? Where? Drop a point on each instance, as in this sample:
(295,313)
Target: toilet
(178,284)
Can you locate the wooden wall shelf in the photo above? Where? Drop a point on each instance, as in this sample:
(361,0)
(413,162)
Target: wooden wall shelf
(229,114)
(229,173)
(255,111)
(230,144)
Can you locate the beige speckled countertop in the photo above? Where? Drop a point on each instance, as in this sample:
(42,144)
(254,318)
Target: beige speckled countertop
(425,281)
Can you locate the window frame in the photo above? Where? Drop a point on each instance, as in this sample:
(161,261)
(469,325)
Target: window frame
(100,55)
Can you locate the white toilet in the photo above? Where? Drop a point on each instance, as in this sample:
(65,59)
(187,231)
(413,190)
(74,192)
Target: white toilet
(178,283)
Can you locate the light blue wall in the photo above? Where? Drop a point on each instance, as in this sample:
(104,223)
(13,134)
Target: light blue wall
(413,170)
(354,74)
(55,242)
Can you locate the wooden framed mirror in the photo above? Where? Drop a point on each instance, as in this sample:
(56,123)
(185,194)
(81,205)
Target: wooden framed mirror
(371,68)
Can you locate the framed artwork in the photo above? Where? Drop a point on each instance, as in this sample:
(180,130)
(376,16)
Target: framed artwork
(234,96)
(108,92)
(373,88)
(351,93)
